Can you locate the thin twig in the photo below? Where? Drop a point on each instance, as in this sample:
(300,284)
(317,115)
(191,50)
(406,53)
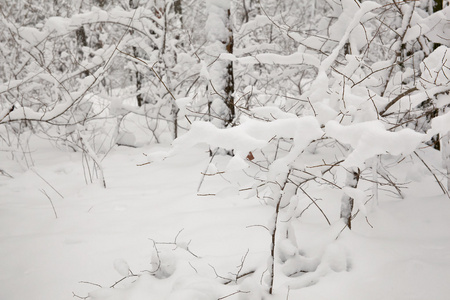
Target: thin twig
(434,175)
(87,282)
(242,264)
(237,292)
(3,172)
(219,276)
(79,297)
(122,279)
(206,170)
(193,267)
(47,183)
(315,203)
(257,225)
(51,202)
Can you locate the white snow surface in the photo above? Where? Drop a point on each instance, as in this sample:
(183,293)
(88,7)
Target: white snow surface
(100,235)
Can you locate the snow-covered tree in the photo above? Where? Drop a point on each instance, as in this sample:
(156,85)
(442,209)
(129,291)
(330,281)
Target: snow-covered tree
(220,74)
(321,102)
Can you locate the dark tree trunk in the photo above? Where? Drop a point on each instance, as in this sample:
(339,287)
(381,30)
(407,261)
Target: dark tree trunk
(81,42)
(437,6)
(139,97)
(81,37)
(177,8)
(101,3)
(229,83)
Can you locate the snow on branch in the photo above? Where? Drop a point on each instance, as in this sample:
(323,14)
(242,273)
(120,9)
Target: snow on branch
(270,58)
(254,134)
(435,27)
(371,138)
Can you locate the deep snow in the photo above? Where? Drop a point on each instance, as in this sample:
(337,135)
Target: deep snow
(98,232)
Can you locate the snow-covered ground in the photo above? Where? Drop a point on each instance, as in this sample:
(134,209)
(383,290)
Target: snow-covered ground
(202,240)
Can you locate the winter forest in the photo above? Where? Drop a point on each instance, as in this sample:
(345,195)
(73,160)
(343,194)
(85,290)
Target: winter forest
(225,149)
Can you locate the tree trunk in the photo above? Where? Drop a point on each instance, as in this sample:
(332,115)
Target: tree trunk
(139,97)
(437,6)
(229,84)
(347,201)
(101,3)
(138,74)
(81,42)
(177,8)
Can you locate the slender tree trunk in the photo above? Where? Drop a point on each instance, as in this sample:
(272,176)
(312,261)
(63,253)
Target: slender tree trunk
(139,97)
(229,85)
(275,229)
(81,42)
(347,201)
(437,6)
(178,10)
(138,74)
(222,81)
